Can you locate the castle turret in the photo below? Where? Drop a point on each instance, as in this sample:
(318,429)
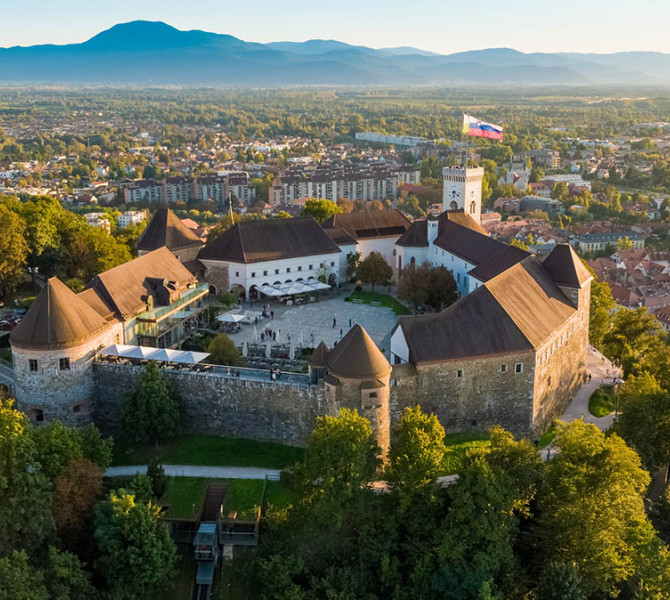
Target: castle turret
(52,351)
(317,362)
(359,377)
(166,229)
(568,272)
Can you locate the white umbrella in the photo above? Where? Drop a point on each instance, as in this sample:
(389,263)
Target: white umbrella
(116,350)
(189,357)
(164,354)
(230,318)
(140,352)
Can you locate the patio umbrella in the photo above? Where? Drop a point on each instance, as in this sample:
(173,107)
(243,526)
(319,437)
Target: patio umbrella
(116,350)
(230,318)
(140,352)
(189,357)
(164,354)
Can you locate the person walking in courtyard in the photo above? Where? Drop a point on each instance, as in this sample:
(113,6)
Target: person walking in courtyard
(334,322)
(349,321)
(340,334)
(272,315)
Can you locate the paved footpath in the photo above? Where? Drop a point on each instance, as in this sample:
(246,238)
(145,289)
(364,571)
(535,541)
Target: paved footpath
(197,471)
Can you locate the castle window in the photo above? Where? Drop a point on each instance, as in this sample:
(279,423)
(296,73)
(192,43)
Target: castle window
(33,365)
(37,414)
(117,338)
(503,368)
(253,274)
(310,267)
(373,395)
(237,273)
(473,422)
(288,269)
(276,271)
(459,373)
(518,368)
(472,208)
(394,251)
(332,264)
(77,408)
(265,273)
(64,364)
(300,268)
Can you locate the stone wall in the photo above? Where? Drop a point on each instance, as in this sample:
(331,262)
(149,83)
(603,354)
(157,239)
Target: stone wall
(217,274)
(215,404)
(482,396)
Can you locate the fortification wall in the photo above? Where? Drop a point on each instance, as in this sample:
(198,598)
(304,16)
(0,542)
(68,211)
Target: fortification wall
(482,396)
(272,411)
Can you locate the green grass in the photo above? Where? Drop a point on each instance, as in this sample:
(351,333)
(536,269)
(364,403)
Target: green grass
(547,437)
(209,451)
(25,295)
(244,495)
(458,445)
(383,299)
(184,496)
(602,402)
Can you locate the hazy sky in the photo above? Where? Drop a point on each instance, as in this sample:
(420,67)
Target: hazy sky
(441,26)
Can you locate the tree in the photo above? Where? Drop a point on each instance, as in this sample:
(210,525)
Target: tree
(644,421)
(560,581)
(410,205)
(601,307)
(374,270)
(560,192)
(341,456)
(13,250)
(427,286)
(137,554)
(152,411)
(223,351)
(66,578)
(58,445)
(476,537)
(321,209)
(25,496)
(634,340)
(353,259)
(416,457)
(18,580)
(76,490)
(159,480)
(592,507)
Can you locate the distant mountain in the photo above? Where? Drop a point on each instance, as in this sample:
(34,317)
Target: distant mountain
(154,53)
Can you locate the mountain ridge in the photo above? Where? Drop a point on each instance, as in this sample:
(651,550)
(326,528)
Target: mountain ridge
(158,53)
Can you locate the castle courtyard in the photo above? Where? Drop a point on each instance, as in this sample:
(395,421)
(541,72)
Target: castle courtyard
(301,322)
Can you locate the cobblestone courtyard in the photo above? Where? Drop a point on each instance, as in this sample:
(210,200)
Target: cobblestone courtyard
(315,319)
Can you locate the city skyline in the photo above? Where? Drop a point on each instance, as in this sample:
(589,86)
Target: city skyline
(445,28)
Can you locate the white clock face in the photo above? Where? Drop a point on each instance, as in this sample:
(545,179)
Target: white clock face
(454,192)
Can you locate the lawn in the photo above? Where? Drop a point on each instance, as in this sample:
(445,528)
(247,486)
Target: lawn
(383,299)
(244,495)
(547,437)
(184,496)
(209,451)
(602,401)
(458,445)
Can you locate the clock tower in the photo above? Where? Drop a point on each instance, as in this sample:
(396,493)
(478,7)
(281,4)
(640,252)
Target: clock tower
(463,190)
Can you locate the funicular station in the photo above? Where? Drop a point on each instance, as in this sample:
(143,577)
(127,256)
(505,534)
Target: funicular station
(215,535)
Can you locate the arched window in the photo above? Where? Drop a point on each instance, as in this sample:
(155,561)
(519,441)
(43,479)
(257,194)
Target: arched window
(453,206)
(412,261)
(473,207)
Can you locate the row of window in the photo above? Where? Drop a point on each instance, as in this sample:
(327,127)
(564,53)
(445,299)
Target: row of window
(34,365)
(288,270)
(37,414)
(518,369)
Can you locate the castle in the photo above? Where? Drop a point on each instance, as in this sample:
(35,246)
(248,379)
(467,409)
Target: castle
(510,351)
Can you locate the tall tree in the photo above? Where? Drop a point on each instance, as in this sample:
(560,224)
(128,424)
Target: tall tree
(13,250)
(427,285)
(137,554)
(592,507)
(152,411)
(416,457)
(66,578)
(25,495)
(223,351)
(19,580)
(321,209)
(374,270)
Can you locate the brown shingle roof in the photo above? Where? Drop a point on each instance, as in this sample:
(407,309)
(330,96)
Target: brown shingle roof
(565,267)
(357,357)
(319,357)
(513,312)
(57,319)
(272,239)
(469,244)
(416,236)
(362,224)
(166,229)
(499,262)
(125,288)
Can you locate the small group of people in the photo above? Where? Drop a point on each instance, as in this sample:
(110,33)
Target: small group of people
(233,372)
(268,312)
(275,374)
(270,334)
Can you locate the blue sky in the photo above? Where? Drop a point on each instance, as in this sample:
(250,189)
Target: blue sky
(441,26)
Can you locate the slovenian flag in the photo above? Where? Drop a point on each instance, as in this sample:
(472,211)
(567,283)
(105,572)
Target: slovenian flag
(473,126)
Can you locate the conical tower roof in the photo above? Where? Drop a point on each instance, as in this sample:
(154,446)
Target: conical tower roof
(357,357)
(319,357)
(166,229)
(57,319)
(565,267)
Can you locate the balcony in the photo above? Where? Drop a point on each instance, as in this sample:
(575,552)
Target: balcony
(186,297)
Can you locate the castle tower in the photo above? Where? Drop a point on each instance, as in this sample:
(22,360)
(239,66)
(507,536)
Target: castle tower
(359,377)
(317,363)
(52,350)
(166,229)
(463,190)
(568,272)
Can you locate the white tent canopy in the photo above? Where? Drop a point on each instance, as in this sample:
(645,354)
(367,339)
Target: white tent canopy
(230,317)
(159,354)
